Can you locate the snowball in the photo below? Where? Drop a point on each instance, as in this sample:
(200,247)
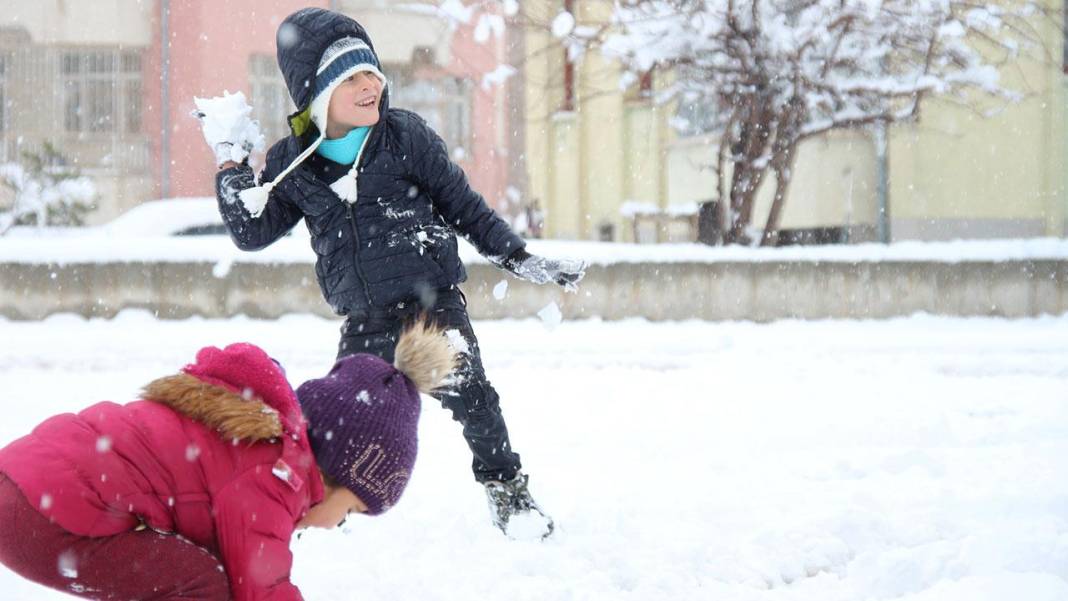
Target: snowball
(457,342)
(222,268)
(226,119)
(563,24)
(500,290)
(551,316)
(67,564)
(288,35)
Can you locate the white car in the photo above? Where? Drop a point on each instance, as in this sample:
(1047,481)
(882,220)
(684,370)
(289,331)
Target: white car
(194,216)
(189,216)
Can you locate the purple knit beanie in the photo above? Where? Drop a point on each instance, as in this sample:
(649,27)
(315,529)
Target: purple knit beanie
(363,419)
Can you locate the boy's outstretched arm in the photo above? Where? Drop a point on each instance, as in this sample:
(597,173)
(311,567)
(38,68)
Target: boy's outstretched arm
(232,134)
(464,209)
(253,527)
(468,213)
(279,215)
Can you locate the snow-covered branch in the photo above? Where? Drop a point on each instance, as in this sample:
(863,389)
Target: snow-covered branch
(765,74)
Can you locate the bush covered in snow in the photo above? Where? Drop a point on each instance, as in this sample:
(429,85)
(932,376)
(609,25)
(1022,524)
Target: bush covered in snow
(43,190)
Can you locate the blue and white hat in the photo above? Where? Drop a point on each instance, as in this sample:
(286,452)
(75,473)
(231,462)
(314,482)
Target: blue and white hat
(341,60)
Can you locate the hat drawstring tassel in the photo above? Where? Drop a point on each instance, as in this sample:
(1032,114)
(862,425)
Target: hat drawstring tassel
(255,199)
(346,186)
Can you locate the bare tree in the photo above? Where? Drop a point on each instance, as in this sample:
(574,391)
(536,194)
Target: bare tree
(772,73)
(765,75)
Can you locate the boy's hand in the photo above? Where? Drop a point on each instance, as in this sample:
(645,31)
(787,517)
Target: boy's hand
(540,270)
(227,127)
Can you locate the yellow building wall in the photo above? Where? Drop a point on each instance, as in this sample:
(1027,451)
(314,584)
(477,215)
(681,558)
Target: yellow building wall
(833,185)
(584,164)
(953,174)
(956,173)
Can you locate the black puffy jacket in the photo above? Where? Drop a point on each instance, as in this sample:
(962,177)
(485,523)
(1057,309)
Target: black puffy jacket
(397,241)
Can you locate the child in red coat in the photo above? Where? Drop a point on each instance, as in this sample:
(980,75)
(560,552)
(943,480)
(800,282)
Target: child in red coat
(194,491)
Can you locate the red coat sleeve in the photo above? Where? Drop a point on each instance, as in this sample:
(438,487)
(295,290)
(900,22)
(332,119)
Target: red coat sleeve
(253,525)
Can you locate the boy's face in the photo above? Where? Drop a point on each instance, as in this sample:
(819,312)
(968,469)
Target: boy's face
(354,103)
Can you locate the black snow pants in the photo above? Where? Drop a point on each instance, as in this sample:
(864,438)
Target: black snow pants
(473,401)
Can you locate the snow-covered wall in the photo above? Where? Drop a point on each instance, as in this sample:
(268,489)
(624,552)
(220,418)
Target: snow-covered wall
(749,287)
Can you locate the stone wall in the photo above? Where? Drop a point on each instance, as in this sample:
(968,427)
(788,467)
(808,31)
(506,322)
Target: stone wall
(757,291)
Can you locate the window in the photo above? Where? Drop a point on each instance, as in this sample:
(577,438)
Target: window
(697,112)
(444,101)
(132,93)
(645,84)
(270,100)
(102,91)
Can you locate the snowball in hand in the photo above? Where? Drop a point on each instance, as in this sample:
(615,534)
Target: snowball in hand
(226,120)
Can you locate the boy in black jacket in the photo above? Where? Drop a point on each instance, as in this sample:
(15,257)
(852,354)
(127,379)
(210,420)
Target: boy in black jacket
(382,201)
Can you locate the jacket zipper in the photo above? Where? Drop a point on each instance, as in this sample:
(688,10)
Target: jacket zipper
(352,219)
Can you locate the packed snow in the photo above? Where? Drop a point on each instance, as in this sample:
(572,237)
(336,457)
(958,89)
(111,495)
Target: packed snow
(228,127)
(916,459)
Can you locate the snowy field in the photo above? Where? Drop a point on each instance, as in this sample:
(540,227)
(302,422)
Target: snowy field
(919,459)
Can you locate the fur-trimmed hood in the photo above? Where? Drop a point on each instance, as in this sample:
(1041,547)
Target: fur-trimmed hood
(233,415)
(238,390)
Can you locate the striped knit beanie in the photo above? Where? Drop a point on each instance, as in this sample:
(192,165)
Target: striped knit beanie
(342,59)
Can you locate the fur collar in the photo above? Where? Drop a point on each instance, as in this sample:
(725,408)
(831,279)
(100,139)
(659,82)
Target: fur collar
(234,416)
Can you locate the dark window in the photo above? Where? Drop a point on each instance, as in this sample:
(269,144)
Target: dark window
(102,91)
(444,101)
(645,84)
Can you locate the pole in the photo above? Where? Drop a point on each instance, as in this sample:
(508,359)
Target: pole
(882,183)
(165,99)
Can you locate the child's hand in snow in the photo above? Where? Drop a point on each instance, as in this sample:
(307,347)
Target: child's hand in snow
(227,127)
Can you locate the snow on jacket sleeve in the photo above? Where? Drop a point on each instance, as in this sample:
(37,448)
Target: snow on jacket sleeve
(463,208)
(253,525)
(279,215)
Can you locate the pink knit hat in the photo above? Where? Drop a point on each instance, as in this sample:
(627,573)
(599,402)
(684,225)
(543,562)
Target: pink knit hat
(245,369)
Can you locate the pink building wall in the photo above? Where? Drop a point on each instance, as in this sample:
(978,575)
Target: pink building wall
(486,163)
(210,45)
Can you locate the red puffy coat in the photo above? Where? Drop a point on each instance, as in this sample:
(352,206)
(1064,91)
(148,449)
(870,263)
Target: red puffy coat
(218,454)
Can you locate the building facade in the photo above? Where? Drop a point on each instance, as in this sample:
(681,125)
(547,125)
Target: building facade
(594,151)
(111,85)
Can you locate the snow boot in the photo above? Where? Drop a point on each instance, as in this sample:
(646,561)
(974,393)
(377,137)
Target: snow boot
(514,511)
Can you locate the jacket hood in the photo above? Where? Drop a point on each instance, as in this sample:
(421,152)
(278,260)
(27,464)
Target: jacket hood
(239,391)
(216,407)
(302,39)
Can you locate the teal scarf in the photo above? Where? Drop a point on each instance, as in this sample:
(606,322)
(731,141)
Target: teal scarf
(344,150)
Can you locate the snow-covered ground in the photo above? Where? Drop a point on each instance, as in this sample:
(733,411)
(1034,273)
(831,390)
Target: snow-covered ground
(919,459)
